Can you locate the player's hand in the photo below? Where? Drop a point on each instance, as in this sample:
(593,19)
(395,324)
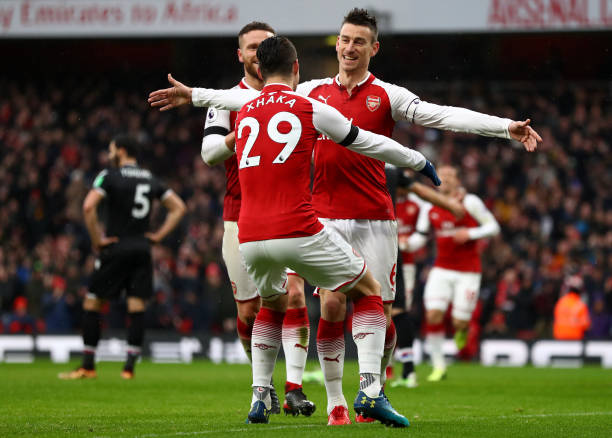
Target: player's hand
(461,236)
(104,242)
(153,238)
(168,98)
(430,172)
(521,131)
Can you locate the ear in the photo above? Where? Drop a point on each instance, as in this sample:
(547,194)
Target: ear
(239,53)
(296,67)
(375,48)
(337,42)
(259,73)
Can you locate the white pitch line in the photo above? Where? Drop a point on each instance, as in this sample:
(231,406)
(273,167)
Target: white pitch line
(242,429)
(299,426)
(511,417)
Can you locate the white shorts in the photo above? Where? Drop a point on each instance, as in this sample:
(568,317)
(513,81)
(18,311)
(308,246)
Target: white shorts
(324,259)
(376,241)
(242,285)
(409,272)
(445,286)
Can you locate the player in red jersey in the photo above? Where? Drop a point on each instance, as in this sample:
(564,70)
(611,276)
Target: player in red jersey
(349,190)
(278,226)
(411,196)
(218,146)
(455,277)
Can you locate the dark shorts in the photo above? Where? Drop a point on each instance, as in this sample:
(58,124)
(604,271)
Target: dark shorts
(124,266)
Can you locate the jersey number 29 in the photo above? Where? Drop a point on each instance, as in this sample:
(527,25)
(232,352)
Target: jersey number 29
(290,139)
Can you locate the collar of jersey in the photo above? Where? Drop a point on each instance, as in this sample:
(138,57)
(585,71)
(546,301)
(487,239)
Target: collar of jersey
(276,87)
(244,84)
(359,84)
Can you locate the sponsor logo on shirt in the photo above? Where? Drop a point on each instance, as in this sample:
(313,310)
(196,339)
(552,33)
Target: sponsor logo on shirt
(373,103)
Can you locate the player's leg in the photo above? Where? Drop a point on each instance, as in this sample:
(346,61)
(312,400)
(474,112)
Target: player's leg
(139,290)
(330,338)
(437,295)
(91,337)
(465,299)
(330,262)
(376,241)
(246,314)
(270,279)
(107,280)
(245,292)
(136,309)
(405,329)
(296,336)
(369,327)
(330,347)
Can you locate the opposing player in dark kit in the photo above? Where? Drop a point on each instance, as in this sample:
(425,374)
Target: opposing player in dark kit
(124,249)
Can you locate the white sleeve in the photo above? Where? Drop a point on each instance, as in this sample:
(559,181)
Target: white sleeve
(232,99)
(418,239)
(304,88)
(217,126)
(330,122)
(456,119)
(488,225)
(401,100)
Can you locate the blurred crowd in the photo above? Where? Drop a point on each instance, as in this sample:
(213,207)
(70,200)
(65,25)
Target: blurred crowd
(554,205)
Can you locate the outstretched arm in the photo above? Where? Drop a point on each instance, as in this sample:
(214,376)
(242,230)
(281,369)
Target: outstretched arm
(464,120)
(180,94)
(406,105)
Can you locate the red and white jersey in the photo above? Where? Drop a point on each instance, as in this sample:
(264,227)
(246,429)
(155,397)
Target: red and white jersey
(463,257)
(346,185)
(349,186)
(275,138)
(221,122)
(407,211)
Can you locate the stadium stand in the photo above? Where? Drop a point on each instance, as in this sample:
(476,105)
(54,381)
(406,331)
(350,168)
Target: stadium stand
(554,206)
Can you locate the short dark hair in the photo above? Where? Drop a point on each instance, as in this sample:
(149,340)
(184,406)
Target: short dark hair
(276,55)
(129,143)
(255,25)
(361,17)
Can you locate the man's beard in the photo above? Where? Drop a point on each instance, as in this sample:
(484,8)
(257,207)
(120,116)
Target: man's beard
(114,162)
(251,68)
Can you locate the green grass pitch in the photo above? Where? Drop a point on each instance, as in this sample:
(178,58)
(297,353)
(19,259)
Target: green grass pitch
(205,399)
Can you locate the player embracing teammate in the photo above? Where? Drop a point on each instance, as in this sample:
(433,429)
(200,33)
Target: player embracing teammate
(349,191)
(218,146)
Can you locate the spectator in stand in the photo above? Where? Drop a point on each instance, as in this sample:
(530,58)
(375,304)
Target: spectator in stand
(57,307)
(571,314)
(20,321)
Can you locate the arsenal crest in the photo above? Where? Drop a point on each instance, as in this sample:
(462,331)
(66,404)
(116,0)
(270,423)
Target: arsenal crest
(373,102)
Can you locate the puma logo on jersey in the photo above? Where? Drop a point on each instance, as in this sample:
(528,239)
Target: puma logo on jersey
(332,359)
(272,99)
(303,347)
(362,335)
(324,99)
